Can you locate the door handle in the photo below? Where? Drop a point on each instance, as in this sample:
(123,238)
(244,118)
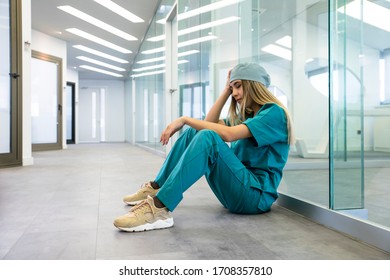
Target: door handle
(14,75)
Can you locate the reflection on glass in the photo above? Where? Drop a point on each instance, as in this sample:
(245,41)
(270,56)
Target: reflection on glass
(44,103)
(5,114)
(149,81)
(361,156)
(5,90)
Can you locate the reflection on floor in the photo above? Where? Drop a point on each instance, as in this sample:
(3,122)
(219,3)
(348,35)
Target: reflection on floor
(154,147)
(63,207)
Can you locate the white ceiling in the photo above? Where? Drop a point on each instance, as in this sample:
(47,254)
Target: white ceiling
(48,19)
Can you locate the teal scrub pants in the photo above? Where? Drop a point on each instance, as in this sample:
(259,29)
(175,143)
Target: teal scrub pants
(198,153)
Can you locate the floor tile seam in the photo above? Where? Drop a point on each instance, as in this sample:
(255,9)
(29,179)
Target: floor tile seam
(11,247)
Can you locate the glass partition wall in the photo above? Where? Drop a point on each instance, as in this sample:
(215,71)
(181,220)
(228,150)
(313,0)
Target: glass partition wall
(329,63)
(148,79)
(294,48)
(347,110)
(360,76)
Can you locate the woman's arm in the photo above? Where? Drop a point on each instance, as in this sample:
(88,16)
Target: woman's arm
(212,121)
(227,133)
(215,111)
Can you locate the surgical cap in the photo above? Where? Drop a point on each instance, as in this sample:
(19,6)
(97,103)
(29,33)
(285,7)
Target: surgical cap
(251,72)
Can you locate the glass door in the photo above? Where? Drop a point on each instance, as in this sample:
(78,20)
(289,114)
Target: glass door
(5,82)
(46,102)
(10,84)
(346,110)
(193,100)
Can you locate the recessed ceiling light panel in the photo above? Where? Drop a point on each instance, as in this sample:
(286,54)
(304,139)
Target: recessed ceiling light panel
(101,54)
(97,40)
(101,63)
(119,10)
(100,71)
(97,22)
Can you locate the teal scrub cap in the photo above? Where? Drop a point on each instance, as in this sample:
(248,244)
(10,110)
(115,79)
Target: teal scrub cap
(251,72)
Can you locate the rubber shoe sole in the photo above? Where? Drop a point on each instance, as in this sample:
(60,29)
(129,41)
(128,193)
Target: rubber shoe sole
(159,224)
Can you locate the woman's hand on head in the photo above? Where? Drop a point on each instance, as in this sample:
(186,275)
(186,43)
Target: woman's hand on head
(227,85)
(171,129)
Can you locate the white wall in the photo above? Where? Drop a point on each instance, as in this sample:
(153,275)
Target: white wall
(26,107)
(115,107)
(45,44)
(128,111)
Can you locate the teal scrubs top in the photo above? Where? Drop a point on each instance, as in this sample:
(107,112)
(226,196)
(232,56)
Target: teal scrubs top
(265,154)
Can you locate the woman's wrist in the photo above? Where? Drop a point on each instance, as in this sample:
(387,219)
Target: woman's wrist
(184,119)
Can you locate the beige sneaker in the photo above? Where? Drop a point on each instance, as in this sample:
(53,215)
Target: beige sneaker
(145,216)
(145,190)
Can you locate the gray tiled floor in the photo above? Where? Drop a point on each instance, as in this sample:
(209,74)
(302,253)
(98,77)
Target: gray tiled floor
(63,206)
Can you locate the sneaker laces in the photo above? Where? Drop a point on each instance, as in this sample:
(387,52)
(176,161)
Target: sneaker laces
(146,185)
(141,208)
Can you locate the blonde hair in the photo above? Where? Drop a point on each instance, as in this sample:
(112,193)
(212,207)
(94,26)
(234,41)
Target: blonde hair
(258,93)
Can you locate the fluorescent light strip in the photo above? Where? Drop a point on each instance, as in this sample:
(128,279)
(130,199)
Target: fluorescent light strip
(207,8)
(156,38)
(119,10)
(148,73)
(150,60)
(94,21)
(162,21)
(157,66)
(149,67)
(161,58)
(188,53)
(197,40)
(100,70)
(182,61)
(183,44)
(278,51)
(97,40)
(151,51)
(197,28)
(153,67)
(101,54)
(285,41)
(373,14)
(208,25)
(97,62)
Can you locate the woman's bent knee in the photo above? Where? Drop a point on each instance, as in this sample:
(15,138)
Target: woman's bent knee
(208,134)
